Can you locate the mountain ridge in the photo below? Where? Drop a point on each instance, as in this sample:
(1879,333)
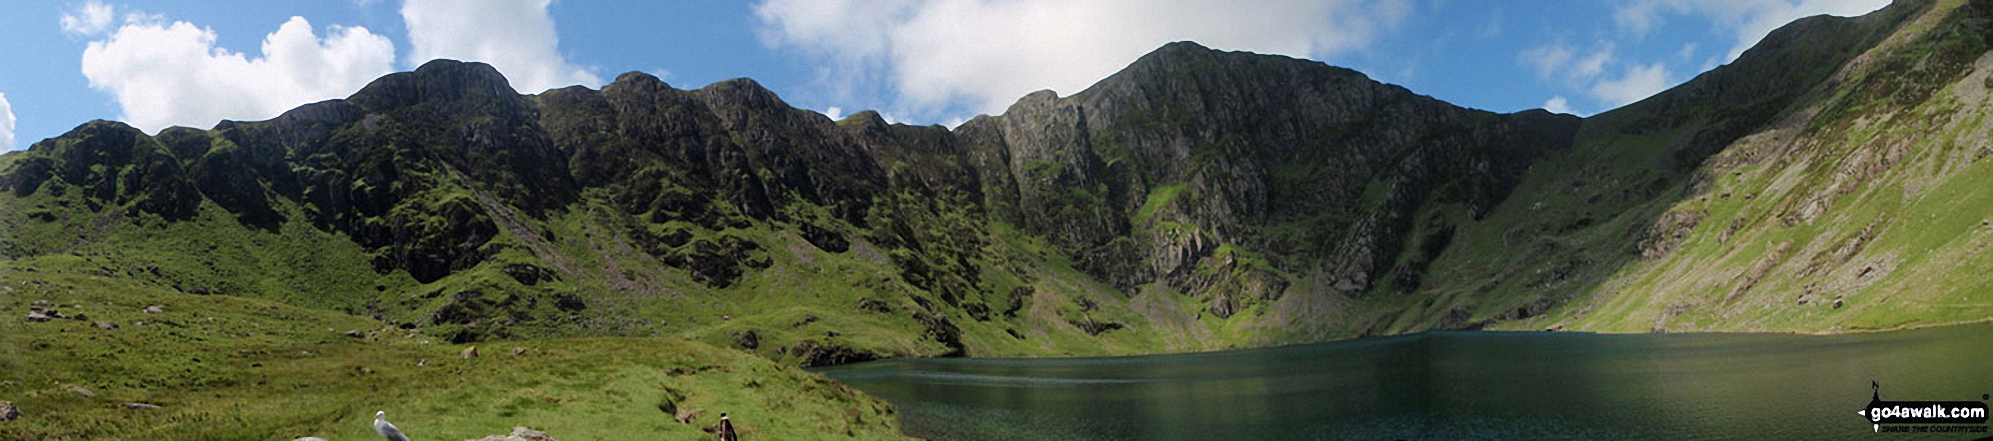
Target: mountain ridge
(1197,199)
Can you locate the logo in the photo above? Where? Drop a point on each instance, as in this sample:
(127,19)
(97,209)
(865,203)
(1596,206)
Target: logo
(1923,416)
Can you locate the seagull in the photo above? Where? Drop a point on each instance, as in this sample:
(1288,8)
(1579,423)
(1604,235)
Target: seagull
(386,429)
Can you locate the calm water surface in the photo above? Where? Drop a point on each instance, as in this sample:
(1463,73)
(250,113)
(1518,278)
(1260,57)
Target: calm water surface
(1508,385)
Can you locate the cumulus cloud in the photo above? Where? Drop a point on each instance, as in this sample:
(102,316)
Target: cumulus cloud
(6,124)
(1749,20)
(1639,83)
(165,74)
(1557,104)
(515,36)
(90,19)
(984,54)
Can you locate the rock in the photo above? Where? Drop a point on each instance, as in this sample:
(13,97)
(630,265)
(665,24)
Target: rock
(519,434)
(309,438)
(518,351)
(155,309)
(79,390)
(37,317)
(106,325)
(79,317)
(41,304)
(356,334)
(685,416)
(8,412)
(469,353)
(139,406)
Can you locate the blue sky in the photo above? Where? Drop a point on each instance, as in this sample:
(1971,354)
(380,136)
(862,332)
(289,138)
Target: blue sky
(156,63)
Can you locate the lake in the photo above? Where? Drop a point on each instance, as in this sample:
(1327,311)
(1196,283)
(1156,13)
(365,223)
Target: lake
(1507,385)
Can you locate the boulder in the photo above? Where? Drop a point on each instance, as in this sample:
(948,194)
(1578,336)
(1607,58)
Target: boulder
(519,434)
(155,309)
(37,317)
(8,412)
(685,416)
(309,438)
(469,353)
(356,334)
(106,325)
(80,390)
(139,406)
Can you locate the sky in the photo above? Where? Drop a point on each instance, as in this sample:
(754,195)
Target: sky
(157,63)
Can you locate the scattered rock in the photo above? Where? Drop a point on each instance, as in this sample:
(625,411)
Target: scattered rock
(41,304)
(155,309)
(685,416)
(106,325)
(366,370)
(748,339)
(79,390)
(139,406)
(470,352)
(519,434)
(518,351)
(424,362)
(874,305)
(37,317)
(8,412)
(356,334)
(80,317)
(1837,303)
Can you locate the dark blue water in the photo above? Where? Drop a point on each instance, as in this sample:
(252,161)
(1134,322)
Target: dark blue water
(1447,385)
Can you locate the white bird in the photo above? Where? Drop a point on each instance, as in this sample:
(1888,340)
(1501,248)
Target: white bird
(386,429)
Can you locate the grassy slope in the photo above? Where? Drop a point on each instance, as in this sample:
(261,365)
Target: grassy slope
(1871,221)
(225,367)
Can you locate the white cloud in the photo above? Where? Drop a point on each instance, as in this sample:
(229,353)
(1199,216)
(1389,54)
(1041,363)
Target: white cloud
(1557,104)
(6,124)
(1639,82)
(1561,61)
(164,74)
(90,19)
(835,113)
(515,36)
(1750,20)
(1548,61)
(984,54)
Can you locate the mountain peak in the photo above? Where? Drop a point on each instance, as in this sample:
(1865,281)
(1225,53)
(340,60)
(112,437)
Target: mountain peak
(439,79)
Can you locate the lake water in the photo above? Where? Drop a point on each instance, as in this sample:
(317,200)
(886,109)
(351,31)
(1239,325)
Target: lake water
(1479,385)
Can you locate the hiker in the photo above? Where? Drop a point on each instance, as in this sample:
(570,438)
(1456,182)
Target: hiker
(727,429)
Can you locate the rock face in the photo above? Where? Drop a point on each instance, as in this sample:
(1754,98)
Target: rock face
(1226,175)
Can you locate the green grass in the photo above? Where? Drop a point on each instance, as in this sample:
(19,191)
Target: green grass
(224,367)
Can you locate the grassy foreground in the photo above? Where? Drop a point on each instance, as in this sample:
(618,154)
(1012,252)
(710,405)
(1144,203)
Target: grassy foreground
(222,367)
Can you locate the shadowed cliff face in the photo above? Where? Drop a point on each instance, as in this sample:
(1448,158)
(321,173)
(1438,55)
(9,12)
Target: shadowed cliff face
(1228,175)
(1197,199)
